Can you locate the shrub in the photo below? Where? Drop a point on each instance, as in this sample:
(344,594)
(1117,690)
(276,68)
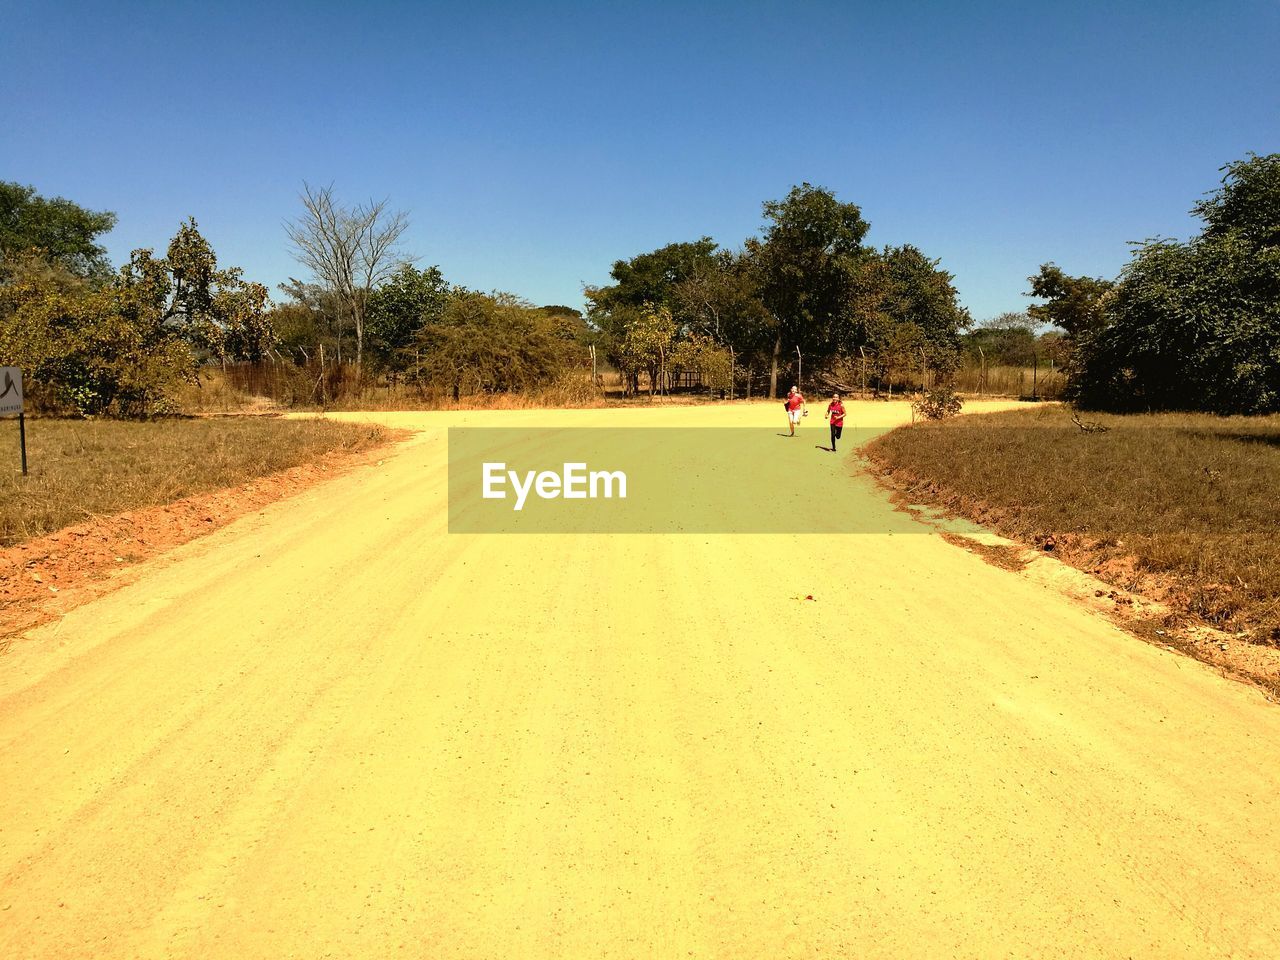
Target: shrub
(937,404)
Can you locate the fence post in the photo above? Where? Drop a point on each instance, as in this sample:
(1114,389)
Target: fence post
(22,439)
(324,390)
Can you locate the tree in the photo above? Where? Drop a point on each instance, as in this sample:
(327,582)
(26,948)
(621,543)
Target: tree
(652,277)
(352,250)
(1248,203)
(63,232)
(646,346)
(919,292)
(397,310)
(808,285)
(1009,338)
(309,320)
(701,354)
(1074,303)
(723,303)
(570,325)
(104,351)
(489,343)
(121,348)
(646,281)
(1192,326)
(1196,325)
(215,309)
(809,266)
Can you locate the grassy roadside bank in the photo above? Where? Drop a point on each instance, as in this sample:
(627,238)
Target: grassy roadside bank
(82,468)
(1179,507)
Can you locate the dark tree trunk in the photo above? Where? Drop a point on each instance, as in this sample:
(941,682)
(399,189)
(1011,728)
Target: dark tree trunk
(773,370)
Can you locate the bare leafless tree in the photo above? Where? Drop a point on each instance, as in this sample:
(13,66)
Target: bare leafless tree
(351,250)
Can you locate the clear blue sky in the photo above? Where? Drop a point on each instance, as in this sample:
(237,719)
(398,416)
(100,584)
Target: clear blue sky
(534,144)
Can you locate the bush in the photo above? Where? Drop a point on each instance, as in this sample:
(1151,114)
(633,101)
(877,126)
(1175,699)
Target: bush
(99,352)
(937,404)
(487,344)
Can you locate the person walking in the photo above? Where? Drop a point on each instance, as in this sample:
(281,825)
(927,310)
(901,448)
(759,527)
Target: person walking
(796,408)
(835,413)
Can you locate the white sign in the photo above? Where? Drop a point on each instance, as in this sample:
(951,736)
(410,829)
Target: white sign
(10,391)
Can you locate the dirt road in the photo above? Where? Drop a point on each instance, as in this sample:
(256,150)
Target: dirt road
(334,729)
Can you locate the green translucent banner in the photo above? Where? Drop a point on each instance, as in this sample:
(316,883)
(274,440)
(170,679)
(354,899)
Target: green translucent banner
(649,480)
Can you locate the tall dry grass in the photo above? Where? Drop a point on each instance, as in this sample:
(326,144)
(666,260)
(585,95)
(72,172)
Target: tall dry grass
(1004,381)
(285,385)
(259,387)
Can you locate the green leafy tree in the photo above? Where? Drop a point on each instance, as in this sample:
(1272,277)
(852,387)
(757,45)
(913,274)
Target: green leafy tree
(810,263)
(1009,338)
(1196,325)
(215,309)
(106,351)
(1191,326)
(1073,304)
(397,310)
(1248,204)
(920,293)
(724,303)
(647,280)
(652,277)
(700,354)
(571,326)
(121,348)
(646,346)
(63,233)
(807,286)
(490,343)
(896,350)
(310,317)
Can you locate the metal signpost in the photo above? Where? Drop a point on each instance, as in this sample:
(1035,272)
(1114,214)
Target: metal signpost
(11,403)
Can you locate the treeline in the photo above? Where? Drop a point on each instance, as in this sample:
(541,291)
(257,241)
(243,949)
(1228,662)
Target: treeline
(91,340)
(417,328)
(1189,325)
(805,299)
(95,341)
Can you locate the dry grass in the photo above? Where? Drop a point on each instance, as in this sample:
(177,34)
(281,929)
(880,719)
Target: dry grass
(259,387)
(568,391)
(80,469)
(1182,506)
(997,381)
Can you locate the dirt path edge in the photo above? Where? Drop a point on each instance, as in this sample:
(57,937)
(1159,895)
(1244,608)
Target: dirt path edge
(1148,618)
(43,578)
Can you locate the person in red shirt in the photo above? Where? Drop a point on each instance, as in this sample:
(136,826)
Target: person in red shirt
(796,409)
(835,413)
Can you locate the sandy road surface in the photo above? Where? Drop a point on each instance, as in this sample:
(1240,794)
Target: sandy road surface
(333,729)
